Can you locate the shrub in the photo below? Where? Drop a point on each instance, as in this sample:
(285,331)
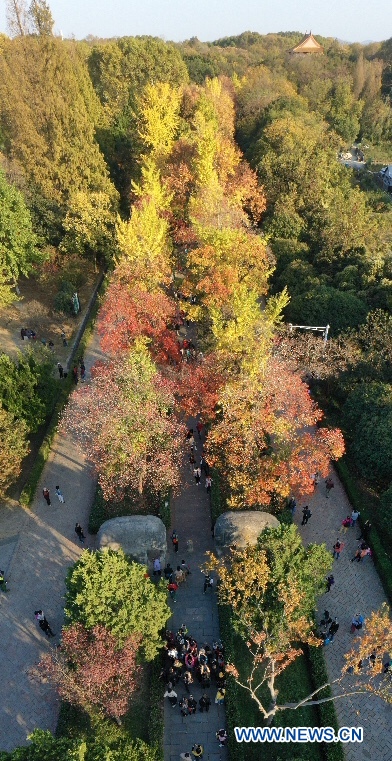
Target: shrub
(63,299)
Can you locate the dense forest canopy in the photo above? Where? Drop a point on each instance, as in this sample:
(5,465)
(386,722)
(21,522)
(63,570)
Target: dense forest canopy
(80,152)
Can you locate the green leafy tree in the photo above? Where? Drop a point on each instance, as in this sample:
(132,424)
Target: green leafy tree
(18,244)
(48,116)
(44,745)
(89,225)
(327,306)
(108,588)
(41,18)
(368,419)
(27,387)
(345,112)
(14,447)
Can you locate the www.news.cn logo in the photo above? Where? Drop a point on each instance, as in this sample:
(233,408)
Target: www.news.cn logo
(298,734)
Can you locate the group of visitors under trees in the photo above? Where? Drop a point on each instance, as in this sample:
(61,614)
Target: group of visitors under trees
(187,662)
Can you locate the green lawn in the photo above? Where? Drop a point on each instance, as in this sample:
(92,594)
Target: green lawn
(293,684)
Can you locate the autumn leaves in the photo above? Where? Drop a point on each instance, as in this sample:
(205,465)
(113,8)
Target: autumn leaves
(197,208)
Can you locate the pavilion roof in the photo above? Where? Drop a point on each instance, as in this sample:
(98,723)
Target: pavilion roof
(308,45)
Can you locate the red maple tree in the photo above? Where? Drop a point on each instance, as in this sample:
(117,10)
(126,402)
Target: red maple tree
(130,311)
(124,424)
(198,386)
(90,670)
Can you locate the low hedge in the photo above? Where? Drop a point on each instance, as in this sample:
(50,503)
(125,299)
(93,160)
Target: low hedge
(102,510)
(156,716)
(218,502)
(30,487)
(326,711)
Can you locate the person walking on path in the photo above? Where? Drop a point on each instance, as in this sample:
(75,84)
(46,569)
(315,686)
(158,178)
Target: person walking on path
(337,549)
(185,568)
(192,705)
(172,697)
(168,571)
(306,515)
(346,523)
(208,484)
(199,428)
(43,623)
(188,679)
(354,517)
(357,623)
(197,474)
(46,493)
(197,750)
(333,629)
(59,495)
(172,587)
(157,567)
(220,696)
(61,370)
(204,703)
(221,736)
(365,531)
(330,580)
(329,484)
(174,539)
(208,583)
(185,756)
(3,583)
(75,375)
(79,533)
(292,505)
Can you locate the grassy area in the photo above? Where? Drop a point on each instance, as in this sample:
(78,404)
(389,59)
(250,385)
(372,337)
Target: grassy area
(298,681)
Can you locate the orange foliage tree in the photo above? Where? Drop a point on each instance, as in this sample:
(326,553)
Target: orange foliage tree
(130,311)
(123,422)
(266,443)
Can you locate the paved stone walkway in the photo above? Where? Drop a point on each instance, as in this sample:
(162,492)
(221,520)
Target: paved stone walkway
(357,589)
(37,546)
(192,522)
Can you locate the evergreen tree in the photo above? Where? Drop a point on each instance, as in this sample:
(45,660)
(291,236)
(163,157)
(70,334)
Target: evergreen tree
(48,113)
(18,252)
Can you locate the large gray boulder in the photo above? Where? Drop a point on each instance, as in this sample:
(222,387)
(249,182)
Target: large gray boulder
(241,528)
(143,537)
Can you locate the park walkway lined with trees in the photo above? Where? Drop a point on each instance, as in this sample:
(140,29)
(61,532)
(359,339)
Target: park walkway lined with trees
(357,590)
(191,251)
(191,518)
(44,545)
